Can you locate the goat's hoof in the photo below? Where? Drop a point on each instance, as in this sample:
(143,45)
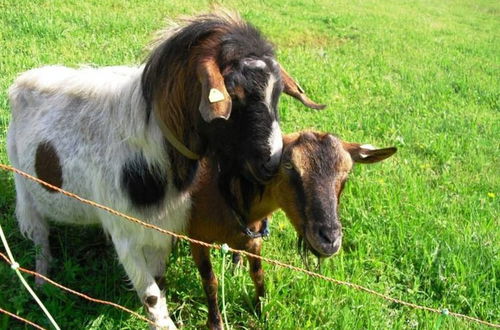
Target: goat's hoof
(215,325)
(163,324)
(158,313)
(214,322)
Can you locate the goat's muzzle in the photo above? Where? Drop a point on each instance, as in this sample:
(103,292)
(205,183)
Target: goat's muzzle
(323,241)
(261,172)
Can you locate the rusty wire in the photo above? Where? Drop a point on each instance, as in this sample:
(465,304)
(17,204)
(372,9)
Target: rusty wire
(79,294)
(17,317)
(268,260)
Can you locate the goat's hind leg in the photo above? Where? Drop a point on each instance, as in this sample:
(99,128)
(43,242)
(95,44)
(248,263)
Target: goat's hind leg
(33,226)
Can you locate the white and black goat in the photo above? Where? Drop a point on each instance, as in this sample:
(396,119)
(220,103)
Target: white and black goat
(131,137)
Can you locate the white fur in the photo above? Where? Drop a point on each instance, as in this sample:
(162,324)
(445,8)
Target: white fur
(95,120)
(365,150)
(276,140)
(268,93)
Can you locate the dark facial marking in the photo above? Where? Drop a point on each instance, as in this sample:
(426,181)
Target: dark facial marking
(151,301)
(300,194)
(144,184)
(48,166)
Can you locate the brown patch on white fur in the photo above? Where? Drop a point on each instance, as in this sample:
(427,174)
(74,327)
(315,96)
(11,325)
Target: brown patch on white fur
(48,166)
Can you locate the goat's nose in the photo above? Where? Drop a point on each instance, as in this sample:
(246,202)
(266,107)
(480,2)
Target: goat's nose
(272,164)
(327,236)
(331,237)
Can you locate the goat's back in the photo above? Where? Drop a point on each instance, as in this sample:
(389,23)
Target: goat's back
(90,123)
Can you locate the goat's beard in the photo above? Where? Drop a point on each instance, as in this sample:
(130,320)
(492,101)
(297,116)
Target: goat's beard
(307,255)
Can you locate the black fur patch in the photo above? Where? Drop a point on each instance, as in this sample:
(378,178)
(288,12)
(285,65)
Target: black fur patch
(257,266)
(206,271)
(144,184)
(161,282)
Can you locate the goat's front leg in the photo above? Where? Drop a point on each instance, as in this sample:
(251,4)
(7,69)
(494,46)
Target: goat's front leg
(156,261)
(257,273)
(201,257)
(133,260)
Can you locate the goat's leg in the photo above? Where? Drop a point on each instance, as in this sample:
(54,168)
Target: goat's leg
(133,260)
(237,260)
(257,273)
(34,226)
(201,257)
(156,261)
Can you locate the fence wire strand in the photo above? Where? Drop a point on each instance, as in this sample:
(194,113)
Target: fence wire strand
(79,294)
(15,266)
(248,254)
(17,317)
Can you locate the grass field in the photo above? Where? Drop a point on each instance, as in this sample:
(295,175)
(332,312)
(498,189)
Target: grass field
(422,226)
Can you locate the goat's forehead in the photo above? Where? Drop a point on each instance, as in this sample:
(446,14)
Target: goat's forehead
(311,156)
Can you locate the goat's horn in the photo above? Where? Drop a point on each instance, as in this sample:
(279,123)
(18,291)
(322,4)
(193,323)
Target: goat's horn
(215,100)
(295,91)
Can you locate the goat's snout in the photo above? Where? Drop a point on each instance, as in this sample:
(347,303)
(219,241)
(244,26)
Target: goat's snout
(326,240)
(262,172)
(272,164)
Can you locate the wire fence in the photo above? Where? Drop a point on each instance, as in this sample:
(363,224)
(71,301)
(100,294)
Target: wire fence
(17,317)
(225,248)
(79,294)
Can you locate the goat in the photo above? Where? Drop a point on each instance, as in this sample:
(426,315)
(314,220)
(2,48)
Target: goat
(307,188)
(131,138)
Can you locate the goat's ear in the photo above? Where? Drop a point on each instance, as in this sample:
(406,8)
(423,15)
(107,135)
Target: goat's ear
(295,91)
(215,100)
(366,153)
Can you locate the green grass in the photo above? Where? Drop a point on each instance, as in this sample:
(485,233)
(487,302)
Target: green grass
(422,226)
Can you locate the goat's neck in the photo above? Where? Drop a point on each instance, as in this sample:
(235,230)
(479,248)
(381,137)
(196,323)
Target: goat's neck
(262,207)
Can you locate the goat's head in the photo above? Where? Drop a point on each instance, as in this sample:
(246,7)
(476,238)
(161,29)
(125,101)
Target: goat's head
(222,69)
(243,119)
(311,178)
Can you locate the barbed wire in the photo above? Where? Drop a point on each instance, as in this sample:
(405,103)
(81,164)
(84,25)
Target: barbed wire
(248,254)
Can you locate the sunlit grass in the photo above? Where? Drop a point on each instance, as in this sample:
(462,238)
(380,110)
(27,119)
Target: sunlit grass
(422,226)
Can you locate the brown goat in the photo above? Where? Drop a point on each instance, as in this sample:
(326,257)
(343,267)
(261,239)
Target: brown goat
(308,185)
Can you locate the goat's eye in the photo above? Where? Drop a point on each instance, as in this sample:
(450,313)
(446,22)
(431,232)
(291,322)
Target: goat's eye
(288,166)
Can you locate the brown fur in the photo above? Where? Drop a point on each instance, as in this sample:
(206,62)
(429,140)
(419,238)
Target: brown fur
(311,154)
(48,166)
(179,94)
